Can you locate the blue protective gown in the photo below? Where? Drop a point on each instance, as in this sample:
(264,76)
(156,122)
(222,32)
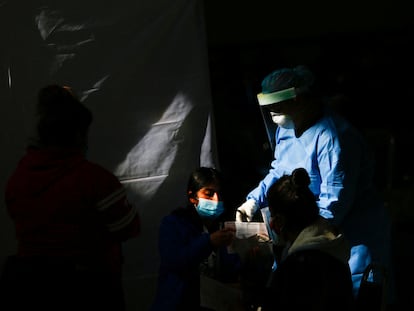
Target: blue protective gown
(341,168)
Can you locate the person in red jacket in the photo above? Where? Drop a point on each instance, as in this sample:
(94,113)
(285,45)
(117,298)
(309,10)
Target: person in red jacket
(70,215)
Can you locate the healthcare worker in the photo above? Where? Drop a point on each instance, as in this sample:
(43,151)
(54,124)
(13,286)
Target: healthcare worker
(311,135)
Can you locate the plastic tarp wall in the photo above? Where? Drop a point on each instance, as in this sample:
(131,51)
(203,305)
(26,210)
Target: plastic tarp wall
(141,67)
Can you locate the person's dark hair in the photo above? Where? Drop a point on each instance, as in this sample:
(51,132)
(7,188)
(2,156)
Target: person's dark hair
(202,177)
(62,119)
(291,197)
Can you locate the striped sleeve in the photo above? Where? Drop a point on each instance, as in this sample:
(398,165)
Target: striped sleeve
(116,211)
(111,199)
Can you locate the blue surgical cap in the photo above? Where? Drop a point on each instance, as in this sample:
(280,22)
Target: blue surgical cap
(300,78)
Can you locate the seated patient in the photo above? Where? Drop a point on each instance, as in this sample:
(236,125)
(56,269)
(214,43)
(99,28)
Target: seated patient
(187,238)
(313,271)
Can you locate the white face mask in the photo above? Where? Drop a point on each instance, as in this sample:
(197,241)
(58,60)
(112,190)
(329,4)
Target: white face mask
(283,120)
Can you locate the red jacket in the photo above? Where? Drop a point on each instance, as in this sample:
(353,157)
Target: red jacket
(64,206)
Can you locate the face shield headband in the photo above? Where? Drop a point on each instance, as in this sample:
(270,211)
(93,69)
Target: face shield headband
(276,97)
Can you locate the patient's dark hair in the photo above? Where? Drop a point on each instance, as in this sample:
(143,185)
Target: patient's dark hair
(291,197)
(202,177)
(62,119)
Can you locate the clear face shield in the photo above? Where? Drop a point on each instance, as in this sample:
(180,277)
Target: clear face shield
(271,107)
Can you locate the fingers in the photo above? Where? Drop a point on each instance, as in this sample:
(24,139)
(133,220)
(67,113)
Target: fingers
(241,216)
(223,237)
(231,229)
(227,235)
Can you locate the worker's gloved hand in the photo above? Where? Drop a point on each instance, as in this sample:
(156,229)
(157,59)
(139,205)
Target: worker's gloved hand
(246,211)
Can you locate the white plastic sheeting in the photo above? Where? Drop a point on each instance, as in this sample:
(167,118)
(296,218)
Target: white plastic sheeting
(141,67)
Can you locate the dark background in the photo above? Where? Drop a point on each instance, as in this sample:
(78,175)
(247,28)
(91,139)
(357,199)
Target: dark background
(362,55)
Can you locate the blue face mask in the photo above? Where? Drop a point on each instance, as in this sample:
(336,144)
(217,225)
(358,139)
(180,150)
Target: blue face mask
(209,208)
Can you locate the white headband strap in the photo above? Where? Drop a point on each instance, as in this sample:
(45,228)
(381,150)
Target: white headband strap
(276,97)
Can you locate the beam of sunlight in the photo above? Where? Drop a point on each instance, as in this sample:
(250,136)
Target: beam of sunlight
(148,163)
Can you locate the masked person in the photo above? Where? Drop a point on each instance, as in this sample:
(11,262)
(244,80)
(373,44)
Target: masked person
(311,135)
(187,237)
(313,273)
